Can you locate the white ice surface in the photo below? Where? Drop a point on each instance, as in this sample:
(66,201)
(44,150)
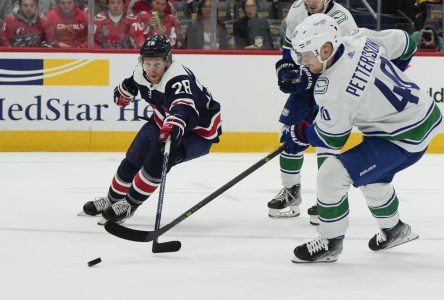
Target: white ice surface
(230,248)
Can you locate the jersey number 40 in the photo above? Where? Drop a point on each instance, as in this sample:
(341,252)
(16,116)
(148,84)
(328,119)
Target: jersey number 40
(399,88)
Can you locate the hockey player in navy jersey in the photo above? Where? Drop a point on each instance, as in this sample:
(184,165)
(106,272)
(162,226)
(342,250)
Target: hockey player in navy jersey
(359,86)
(298,82)
(184,111)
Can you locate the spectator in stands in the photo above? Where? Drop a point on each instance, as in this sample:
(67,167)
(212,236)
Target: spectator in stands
(5,8)
(428,38)
(198,34)
(421,11)
(252,32)
(46,5)
(100,6)
(157,21)
(69,25)
(2,40)
(26,27)
(116,29)
(145,5)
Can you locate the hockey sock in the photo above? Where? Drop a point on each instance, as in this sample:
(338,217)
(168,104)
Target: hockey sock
(332,194)
(142,187)
(291,165)
(383,203)
(121,181)
(323,153)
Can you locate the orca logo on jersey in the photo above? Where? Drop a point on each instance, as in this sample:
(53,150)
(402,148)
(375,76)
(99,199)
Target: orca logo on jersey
(321,86)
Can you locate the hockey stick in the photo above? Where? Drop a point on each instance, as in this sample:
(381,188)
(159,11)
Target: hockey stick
(172,246)
(148,236)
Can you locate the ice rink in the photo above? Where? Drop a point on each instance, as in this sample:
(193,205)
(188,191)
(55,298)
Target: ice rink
(230,248)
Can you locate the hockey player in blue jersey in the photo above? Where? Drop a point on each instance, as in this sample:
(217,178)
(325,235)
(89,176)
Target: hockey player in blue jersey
(298,82)
(360,87)
(184,111)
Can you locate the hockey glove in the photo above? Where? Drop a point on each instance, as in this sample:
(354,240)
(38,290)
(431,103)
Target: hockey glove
(295,137)
(290,78)
(174,127)
(124,93)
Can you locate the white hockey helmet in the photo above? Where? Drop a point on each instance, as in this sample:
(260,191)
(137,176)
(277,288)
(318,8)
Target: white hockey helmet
(312,33)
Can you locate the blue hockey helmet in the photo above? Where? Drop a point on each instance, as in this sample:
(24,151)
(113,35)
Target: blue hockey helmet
(156,46)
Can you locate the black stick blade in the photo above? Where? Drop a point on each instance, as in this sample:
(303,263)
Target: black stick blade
(128,233)
(172,246)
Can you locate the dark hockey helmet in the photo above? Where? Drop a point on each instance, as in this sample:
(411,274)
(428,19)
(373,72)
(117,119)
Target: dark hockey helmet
(156,46)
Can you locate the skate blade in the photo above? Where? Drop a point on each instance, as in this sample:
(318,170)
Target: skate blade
(411,237)
(326,259)
(277,214)
(102,221)
(82,214)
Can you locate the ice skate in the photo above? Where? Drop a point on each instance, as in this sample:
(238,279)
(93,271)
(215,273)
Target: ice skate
(286,203)
(313,213)
(389,238)
(96,207)
(318,250)
(119,211)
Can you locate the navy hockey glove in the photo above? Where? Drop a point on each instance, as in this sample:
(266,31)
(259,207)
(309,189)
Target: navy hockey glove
(290,78)
(124,93)
(174,127)
(295,138)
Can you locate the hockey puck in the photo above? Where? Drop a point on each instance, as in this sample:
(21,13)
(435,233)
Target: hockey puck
(94,262)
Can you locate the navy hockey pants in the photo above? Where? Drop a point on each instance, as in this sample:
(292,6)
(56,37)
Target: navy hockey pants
(376,160)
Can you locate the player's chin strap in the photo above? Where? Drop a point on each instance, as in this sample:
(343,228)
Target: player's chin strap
(324,62)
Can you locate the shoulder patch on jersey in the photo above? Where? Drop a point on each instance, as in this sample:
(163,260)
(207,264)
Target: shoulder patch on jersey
(339,16)
(321,86)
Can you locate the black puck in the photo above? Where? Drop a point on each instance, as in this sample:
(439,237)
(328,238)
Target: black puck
(94,262)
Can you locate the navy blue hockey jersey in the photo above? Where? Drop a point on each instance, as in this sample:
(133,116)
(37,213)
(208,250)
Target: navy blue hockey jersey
(180,93)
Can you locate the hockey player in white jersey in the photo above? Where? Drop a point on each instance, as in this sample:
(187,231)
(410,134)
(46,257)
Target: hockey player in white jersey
(184,111)
(299,105)
(359,86)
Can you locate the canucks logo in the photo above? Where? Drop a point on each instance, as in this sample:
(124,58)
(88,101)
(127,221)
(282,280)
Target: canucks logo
(93,72)
(321,86)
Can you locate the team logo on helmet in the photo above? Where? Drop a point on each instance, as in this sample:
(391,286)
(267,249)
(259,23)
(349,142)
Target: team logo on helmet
(156,46)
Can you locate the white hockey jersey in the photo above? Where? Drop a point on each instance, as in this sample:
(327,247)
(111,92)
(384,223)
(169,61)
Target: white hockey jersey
(298,13)
(364,89)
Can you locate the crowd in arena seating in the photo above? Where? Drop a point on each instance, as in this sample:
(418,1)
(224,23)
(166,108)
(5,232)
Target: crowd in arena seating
(125,24)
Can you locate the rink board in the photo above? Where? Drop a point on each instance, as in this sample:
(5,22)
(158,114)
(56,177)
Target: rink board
(63,101)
